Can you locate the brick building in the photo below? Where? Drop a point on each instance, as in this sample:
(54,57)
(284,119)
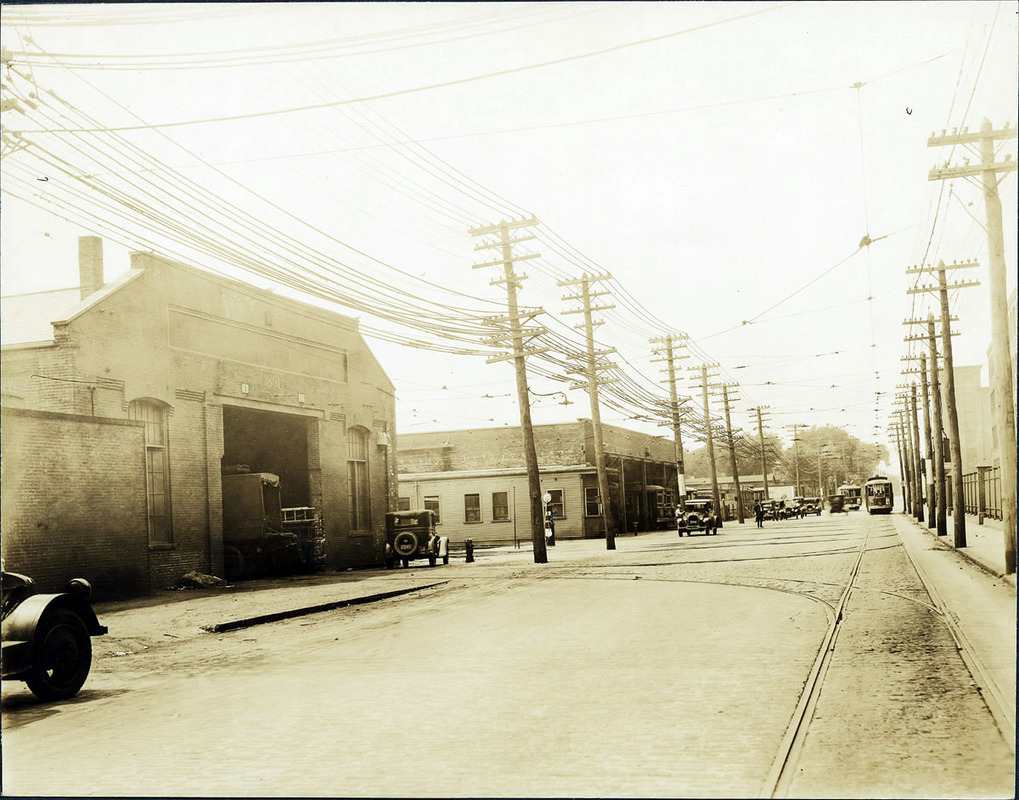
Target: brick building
(476,480)
(139,392)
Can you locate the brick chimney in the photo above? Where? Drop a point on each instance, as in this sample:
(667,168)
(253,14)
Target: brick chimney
(90,264)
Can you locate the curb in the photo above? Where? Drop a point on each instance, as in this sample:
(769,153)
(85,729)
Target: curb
(262,619)
(973,559)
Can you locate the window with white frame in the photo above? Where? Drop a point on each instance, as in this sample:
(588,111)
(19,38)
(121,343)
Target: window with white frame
(357,480)
(472,508)
(557,504)
(157,471)
(500,506)
(432,504)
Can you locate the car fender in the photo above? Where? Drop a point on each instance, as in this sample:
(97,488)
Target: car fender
(20,625)
(443,546)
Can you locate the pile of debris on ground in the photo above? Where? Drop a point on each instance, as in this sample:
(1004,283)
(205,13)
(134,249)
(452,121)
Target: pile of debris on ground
(198,580)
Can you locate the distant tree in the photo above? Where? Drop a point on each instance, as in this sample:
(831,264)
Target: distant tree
(842,459)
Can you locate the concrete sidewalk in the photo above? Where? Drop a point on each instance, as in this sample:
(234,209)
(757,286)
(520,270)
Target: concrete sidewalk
(985,544)
(978,603)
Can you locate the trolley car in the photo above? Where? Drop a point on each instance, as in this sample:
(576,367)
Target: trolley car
(878,495)
(853,495)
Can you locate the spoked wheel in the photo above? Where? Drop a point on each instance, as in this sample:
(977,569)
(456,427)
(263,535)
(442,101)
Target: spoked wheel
(63,657)
(233,563)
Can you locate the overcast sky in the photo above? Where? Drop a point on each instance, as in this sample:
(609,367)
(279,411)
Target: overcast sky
(723,161)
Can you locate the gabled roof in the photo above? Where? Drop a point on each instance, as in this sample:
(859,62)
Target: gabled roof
(29,318)
(26,318)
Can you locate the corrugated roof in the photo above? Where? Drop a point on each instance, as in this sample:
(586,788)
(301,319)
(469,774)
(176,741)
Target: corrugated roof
(27,317)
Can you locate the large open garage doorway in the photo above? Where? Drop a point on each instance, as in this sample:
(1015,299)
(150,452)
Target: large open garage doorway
(269,524)
(267,441)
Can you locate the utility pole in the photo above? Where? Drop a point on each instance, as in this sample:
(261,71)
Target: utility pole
(904,484)
(907,451)
(1001,356)
(669,344)
(914,458)
(917,456)
(764,455)
(928,441)
(590,371)
(937,428)
(796,455)
(951,411)
(715,494)
(512,332)
(732,453)
(938,433)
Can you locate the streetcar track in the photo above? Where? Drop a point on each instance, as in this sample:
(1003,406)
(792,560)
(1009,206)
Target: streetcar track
(783,767)
(1002,710)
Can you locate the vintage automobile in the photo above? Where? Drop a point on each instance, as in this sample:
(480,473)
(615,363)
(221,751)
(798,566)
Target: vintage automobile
(697,517)
(46,637)
(837,504)
(411,534)
(812,505)
(770,509)
(260,537)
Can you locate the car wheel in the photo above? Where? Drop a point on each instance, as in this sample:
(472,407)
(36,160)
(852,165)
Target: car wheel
(390,563)
(431,561)
(445,559)
(63,657)
(233,563)
(405,562)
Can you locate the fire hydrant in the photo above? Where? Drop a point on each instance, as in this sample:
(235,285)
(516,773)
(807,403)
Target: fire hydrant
(469,547)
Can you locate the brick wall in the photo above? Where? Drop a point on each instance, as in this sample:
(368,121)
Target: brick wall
(148,336)
(565,444)
(73,501)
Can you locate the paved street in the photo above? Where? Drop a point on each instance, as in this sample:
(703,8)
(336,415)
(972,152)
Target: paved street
(670,667)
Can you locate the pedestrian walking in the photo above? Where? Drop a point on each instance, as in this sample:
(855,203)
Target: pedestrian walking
(759,514)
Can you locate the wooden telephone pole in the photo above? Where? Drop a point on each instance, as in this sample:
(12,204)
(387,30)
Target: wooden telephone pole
(732,452)
(796,455)
(1001,343)
(590,371)
(513,333)
(915,457)
(764,455)
(904,483)
(937,476)
(715,494)
(951,410)
(668,349)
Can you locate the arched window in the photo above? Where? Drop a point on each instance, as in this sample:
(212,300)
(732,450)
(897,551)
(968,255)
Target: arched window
(357,479)
(157,472)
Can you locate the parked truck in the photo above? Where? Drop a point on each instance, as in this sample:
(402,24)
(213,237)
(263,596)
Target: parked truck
(260,537)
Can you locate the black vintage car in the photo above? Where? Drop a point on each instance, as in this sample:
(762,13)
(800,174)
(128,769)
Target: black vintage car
(697,517)
(411,534)
(46,637)
(812,505)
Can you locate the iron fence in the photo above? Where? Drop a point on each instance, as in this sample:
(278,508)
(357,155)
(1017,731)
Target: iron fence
(982,492)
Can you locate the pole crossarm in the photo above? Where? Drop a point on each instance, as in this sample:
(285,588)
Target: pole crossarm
(585,279)
(935,288)
(925,338)
(485,230)
(511,242)
(951,318)
(500,262)
(518,338)
(971,170)
(934,270)
(965,137)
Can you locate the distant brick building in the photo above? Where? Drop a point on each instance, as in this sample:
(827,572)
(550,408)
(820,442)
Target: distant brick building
(160,379)
(476,480)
